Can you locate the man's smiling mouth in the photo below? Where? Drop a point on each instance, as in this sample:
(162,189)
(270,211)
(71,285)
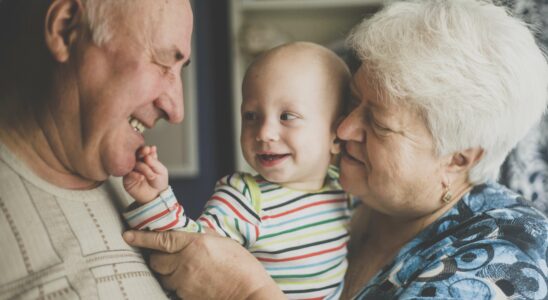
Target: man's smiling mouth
(136,125)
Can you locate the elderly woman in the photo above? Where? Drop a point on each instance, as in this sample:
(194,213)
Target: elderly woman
(446,88)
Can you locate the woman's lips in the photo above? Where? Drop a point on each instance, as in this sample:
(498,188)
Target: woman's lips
(351,159)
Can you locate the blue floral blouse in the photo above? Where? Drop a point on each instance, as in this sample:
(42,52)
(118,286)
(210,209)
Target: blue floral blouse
(490,245)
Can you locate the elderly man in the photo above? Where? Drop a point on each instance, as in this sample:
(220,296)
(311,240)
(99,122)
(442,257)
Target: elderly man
(80,80)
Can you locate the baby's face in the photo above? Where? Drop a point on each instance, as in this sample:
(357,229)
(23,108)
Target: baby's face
(287,132)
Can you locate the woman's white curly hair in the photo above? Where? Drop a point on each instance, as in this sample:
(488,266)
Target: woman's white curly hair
(474,72)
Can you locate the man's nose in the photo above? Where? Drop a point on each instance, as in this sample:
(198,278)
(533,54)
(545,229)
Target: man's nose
(268,132)
(171,103)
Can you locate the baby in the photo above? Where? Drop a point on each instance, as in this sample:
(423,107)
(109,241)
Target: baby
(293,215)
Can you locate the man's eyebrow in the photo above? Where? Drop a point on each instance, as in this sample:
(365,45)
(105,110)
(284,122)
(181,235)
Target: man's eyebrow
(170,56)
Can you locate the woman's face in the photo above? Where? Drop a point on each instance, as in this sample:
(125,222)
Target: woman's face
(389,159)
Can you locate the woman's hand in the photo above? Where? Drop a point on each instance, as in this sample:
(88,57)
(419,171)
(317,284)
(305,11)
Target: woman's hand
(204,266)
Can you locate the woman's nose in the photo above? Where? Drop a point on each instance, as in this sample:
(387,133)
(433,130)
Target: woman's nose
(350,128)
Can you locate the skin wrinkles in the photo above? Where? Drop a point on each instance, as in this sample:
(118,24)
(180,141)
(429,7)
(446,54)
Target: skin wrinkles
(83,135)
(392,175)
(384,121)
(387,162)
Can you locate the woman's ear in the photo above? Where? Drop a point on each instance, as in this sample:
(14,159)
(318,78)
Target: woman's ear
(463,161)
(63,19)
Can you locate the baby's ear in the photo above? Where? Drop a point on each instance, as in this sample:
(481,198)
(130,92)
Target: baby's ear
(336,142)
(336,146)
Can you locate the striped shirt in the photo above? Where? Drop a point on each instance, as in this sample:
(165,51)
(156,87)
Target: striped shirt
(300,237)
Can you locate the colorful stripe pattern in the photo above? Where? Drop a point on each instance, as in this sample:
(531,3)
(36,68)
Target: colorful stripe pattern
(299,237)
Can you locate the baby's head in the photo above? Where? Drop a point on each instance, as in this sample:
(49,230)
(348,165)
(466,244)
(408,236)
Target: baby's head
(293,99)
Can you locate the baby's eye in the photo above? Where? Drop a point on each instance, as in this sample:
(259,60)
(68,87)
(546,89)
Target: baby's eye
(249,116)
(287,116)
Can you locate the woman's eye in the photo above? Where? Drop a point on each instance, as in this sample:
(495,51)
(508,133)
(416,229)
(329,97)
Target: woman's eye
(376,126)
(249,116)
(287,117)
(379,127)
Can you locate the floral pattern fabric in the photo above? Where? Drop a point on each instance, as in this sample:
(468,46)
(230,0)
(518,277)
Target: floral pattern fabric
(526,167)
(491,245)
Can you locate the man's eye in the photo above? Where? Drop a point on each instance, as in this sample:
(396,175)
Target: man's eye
(249,116)
(287,117)
(165,70)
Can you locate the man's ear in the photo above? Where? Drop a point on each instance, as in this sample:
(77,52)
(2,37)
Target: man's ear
(61,28)
(464,160)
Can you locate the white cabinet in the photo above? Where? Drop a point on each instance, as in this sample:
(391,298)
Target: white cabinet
(261,24)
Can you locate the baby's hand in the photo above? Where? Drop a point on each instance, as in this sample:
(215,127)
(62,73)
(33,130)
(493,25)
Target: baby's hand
(149,177)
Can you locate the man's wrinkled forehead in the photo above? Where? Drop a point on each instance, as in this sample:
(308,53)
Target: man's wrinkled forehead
(170,25)
(179,18)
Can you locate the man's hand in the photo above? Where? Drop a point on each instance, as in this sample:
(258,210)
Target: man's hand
(149,177)
(203,266)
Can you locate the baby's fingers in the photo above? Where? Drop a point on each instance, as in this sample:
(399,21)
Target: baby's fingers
(143,152)
(154,152)
(132,179)
(146,170)
(155,164)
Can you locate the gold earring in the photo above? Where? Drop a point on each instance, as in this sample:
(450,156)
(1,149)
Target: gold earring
(447,196)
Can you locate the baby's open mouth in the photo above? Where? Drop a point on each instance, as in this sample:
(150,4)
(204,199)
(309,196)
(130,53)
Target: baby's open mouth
(271,157)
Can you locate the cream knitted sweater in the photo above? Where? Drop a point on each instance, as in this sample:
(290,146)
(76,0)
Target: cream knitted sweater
(64,244)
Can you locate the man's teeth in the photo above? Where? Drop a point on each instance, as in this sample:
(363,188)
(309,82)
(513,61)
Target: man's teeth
(136,125)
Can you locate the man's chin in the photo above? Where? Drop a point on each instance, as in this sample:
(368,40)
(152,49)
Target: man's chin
(121,172)
(121,167)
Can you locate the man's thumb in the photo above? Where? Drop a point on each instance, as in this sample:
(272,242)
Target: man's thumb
(166,241)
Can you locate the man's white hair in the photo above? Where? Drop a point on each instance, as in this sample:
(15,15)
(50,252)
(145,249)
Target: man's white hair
(474,73)
(101,17)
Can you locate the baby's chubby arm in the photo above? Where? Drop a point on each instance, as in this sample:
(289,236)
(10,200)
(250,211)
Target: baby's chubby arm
(149,177)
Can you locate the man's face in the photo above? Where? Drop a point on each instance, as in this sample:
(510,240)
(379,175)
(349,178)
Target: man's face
(116,90)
